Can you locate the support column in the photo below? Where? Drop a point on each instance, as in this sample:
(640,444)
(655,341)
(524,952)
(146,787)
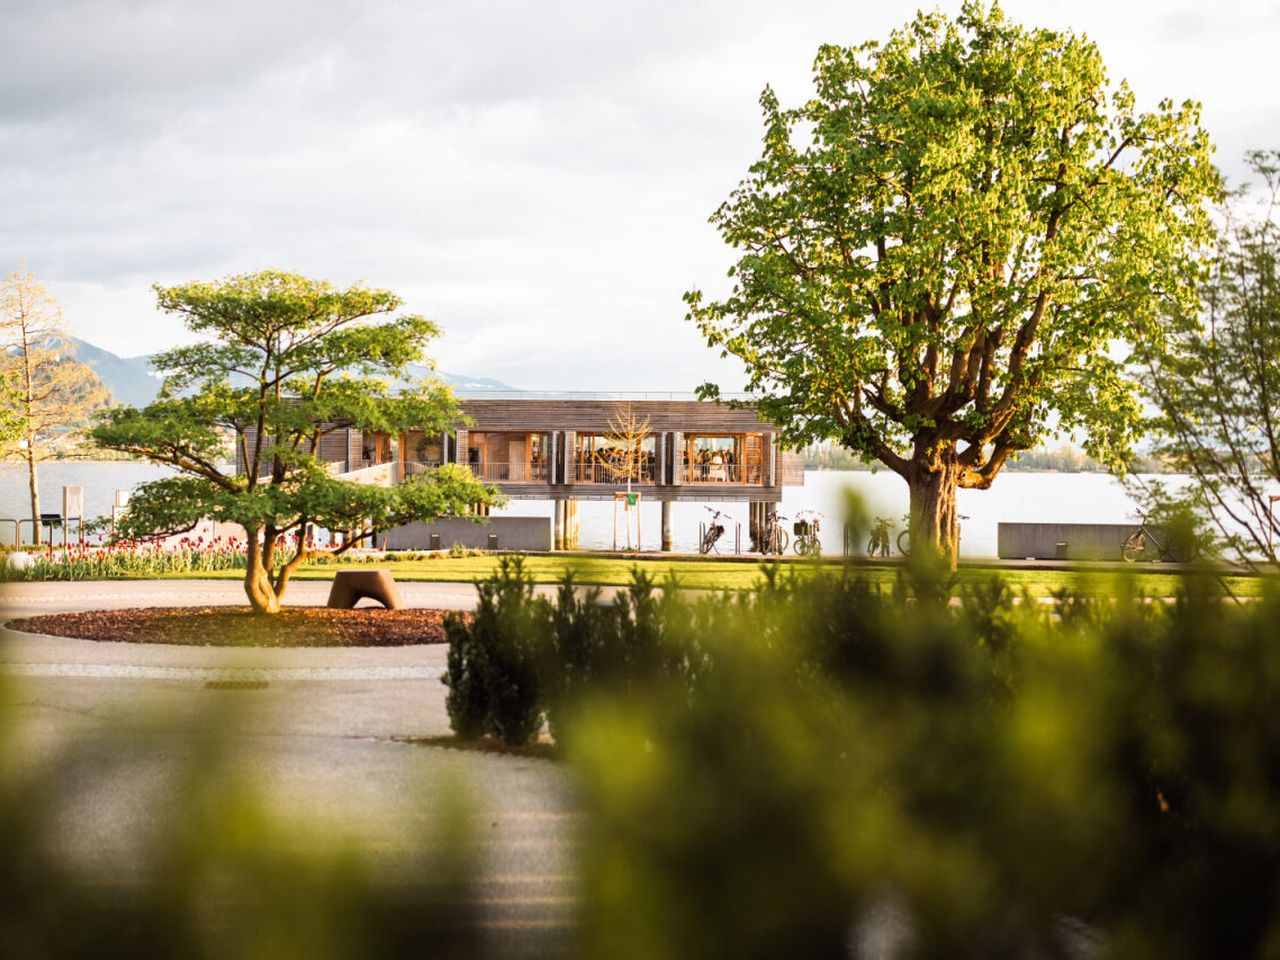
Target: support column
(667,540)
(571,524)
(756,512)
(557,526)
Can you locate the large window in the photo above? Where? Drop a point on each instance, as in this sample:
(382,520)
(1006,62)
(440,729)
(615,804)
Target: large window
(601,459)
(508,457)
(724,458)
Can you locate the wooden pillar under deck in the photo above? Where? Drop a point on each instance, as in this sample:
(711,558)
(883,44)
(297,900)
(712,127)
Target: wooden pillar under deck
(571,524)
(667,540)
(557,541)
(756,513)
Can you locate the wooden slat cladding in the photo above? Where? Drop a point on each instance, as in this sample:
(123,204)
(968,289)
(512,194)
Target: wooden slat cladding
(790,468)
(593,416)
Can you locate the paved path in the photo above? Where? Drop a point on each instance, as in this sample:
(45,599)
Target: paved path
(327,725)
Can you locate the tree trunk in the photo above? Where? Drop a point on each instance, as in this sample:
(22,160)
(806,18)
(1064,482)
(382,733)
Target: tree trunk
(34,484)
(933,481)
(257,579)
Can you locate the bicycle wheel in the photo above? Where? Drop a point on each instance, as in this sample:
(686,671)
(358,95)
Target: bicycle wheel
(904,543)
(708,541)
(1180,551)
(803,546)
(1133,548)
(784,541)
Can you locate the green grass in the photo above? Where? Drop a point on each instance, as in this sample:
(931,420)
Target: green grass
(711,574)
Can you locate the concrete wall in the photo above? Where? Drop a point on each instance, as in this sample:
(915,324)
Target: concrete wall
(1084,541)
(513,533)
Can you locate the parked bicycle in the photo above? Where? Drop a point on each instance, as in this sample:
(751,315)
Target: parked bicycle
(904,538)
(1144,544)
(806,527)
(878,543)
(773,539)
(712,532)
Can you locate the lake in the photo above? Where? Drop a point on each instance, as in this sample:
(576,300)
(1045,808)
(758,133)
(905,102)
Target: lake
(1014,497)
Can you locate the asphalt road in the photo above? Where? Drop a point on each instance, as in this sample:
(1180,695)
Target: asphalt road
(322,735)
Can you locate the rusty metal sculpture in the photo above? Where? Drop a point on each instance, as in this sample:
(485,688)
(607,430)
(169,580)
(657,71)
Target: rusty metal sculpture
(352,586)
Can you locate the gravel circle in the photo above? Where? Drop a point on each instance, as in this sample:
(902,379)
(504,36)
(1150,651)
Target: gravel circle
(241,627)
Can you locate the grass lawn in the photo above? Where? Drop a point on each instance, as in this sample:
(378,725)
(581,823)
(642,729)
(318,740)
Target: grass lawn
(711,574)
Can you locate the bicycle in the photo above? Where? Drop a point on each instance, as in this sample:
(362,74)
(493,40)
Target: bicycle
(904,538)
(1174,549)
(807,524)
(773,539)
(712,533)
(879,540)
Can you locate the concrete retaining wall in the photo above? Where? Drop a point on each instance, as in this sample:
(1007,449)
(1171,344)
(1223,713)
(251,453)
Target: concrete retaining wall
(1080,541)
(512,533)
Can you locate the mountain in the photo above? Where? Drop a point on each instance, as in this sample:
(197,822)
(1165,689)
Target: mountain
(133,381)
(129,379)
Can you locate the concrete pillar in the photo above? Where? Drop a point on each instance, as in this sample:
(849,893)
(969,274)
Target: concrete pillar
(571,524)
(557,526)
(668,541)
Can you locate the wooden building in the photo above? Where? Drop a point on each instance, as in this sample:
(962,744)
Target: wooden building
(564,450)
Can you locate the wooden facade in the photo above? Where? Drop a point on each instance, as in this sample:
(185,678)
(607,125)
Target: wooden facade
(554,449)
(566,450)
(559,449)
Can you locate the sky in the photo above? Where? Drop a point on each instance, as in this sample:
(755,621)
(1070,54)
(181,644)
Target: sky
(534,176)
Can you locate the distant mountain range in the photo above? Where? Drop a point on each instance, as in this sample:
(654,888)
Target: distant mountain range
(133,381)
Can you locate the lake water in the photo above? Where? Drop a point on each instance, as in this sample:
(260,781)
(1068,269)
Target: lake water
(1014,497)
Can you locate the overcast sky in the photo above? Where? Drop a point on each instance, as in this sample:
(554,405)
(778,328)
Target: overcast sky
(536,176)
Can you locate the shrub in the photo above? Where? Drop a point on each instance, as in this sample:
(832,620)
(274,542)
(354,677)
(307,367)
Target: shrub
(467,701)
(493,661)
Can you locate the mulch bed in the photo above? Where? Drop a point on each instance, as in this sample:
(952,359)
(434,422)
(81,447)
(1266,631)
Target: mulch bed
(241,627)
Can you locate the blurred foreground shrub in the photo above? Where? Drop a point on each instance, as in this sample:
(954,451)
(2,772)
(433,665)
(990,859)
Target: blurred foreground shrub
(196,866)
(825,764)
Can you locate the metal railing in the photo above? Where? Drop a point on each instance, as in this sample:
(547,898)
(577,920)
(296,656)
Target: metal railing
(593,471)
(513,394)
(497,471)
(747,473)
(415,468)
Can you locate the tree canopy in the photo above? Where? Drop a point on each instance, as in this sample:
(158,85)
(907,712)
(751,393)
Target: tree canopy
(287,360)
(943,247)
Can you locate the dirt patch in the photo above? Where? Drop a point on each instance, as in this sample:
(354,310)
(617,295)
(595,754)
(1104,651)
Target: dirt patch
(241,627)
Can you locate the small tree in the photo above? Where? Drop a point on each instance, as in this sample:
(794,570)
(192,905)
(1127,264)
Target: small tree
(623,460)
(944,245)
(1215,377)
(289,359)
(48,394)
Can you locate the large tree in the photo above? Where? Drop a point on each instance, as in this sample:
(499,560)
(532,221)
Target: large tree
(285,360)
(947,246)
(1216,379)
(48,394)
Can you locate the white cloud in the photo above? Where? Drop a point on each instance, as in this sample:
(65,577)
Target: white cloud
(535,176)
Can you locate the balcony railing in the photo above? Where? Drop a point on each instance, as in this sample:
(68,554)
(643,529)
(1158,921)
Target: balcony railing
(414,468)
(593,471)
(496,471)
(749,473)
